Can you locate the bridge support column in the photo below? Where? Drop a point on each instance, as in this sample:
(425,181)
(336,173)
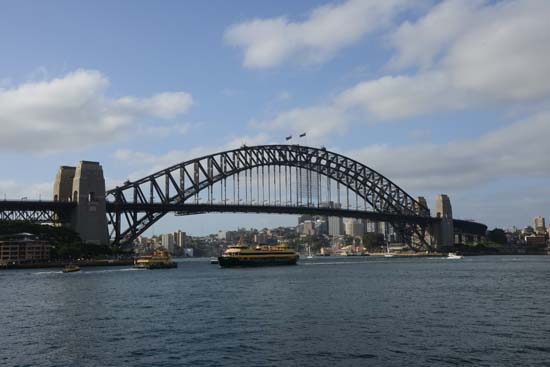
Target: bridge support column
(444,230)
(84,185)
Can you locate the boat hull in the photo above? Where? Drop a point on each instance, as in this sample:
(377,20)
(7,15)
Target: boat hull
(227,262)
(71,270)
(157,266)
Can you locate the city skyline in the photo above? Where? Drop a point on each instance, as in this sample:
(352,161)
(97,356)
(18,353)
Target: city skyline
(438,115)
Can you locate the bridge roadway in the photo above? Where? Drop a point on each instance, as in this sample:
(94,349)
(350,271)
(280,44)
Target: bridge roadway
(45,210)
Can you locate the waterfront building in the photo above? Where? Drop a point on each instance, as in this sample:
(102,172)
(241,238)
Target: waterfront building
(232,236)
(263,238)
(335,226)
(167,241)
(308,228)
(304,217)
(527,231)
(355,228)
(23,248)
(540,225)
(536,240)
(321,227)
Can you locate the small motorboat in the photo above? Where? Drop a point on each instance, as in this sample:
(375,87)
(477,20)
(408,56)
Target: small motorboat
(214,260)
(452,255)
(71,268)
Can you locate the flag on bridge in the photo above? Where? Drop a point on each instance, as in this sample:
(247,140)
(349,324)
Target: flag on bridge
(302,135)
(288,137)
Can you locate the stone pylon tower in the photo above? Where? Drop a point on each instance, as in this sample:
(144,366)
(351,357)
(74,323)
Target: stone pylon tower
(444,230)
(63,185)
(422,201)
(84,185)
(415,238)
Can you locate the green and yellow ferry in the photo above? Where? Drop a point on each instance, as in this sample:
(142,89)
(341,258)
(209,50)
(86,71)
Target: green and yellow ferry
(242,255)
(158,260)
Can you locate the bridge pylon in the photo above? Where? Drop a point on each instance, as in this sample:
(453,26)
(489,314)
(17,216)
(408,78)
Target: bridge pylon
(444,229)
(85,186)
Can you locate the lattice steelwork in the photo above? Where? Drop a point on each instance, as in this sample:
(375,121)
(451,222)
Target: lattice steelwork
(35,211)
(285,176)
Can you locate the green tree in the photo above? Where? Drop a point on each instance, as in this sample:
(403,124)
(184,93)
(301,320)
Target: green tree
(497,235)
(373,241)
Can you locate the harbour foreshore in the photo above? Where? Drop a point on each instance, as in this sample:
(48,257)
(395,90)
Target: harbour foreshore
(61,264)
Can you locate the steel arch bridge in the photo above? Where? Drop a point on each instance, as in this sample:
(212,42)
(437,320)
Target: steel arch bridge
(290,179)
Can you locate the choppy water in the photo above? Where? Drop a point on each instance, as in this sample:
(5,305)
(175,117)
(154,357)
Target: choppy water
(484,311)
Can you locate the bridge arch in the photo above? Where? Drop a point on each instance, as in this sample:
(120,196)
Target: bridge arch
(183,182)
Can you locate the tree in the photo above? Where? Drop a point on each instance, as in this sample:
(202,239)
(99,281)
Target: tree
(373,240)
(497,235)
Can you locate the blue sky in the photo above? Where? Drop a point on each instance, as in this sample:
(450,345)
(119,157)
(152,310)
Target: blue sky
(441,96)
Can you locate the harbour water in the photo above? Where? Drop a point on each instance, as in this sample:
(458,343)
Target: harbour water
(482,311)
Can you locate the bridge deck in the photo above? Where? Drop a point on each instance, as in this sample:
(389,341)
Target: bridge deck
(190,209)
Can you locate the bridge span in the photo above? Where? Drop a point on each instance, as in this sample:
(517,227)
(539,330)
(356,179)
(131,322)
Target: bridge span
(283,179)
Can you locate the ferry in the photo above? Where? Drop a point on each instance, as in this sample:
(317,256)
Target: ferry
(158,260)
(242,255)
(71,268)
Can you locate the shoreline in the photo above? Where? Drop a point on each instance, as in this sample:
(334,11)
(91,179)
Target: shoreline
(62,264)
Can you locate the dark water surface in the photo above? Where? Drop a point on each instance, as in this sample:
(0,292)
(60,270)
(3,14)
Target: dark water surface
(482,311)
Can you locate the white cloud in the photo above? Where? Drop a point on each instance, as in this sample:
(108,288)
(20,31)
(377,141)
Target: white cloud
(329,28)
(401,96)
(15,190)
(163,105)
(491,54)
(517,151)
(421,43)
(73,112)
(164,130)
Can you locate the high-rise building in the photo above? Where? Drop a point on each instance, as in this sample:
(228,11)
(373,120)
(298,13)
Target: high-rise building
(355,228)
(180,238)
(309,228)
(335,226)
(540,225)
(302,218)
(167,241)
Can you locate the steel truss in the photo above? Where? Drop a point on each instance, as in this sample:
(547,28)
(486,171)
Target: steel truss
(182,183)
(35,211)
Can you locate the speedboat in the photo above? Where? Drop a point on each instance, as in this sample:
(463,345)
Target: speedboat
(214,260)
(452,255)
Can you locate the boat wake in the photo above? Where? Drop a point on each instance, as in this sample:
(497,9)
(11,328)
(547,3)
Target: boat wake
(333,263)
(48,272)
(88,271)
(111,270)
